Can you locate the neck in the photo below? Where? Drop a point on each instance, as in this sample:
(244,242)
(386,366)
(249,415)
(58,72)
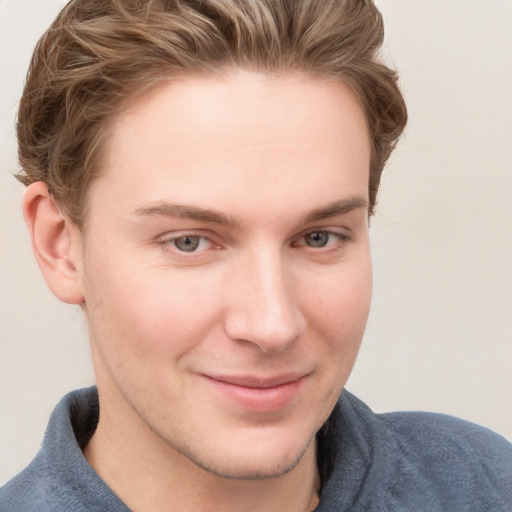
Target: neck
(149,475)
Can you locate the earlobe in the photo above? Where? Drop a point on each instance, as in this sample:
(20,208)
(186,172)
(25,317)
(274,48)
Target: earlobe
(55,244)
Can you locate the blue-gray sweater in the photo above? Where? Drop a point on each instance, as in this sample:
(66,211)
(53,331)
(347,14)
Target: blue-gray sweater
(398,462)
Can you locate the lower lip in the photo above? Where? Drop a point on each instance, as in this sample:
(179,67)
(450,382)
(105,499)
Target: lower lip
(259,399)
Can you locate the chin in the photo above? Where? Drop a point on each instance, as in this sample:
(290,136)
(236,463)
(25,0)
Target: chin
(248,463)
(249,469)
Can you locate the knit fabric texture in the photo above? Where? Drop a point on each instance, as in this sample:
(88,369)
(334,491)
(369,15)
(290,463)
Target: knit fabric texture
(399,462)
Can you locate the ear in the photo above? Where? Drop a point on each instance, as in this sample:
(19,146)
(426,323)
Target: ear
(56,243)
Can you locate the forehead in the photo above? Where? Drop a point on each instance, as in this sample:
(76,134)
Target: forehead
(197,135)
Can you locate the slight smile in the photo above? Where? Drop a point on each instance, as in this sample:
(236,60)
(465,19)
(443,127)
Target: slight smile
(257,394)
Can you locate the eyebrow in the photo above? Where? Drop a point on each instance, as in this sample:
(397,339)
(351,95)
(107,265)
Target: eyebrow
(336,208)
(187,212)
(164,209)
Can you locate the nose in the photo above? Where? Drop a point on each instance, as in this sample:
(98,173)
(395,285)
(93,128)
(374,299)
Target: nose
(263,304)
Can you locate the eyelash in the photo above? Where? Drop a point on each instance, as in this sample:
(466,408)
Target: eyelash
(339,240)
(171,241)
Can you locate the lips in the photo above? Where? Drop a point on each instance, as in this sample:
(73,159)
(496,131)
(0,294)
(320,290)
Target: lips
(258,394)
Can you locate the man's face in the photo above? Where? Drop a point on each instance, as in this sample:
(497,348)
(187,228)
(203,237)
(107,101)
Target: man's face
(226,270)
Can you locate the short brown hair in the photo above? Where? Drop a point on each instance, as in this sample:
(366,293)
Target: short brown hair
(99,53)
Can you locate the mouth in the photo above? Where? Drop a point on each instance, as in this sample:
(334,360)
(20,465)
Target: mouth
(258,394)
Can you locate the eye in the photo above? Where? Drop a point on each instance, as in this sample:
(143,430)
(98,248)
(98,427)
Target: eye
(189,243)
(321,239)
(317,238)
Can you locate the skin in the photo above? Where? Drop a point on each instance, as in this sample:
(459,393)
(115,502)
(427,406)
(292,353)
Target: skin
(268,179)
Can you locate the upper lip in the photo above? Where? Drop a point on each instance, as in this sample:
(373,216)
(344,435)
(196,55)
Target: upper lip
(252,381)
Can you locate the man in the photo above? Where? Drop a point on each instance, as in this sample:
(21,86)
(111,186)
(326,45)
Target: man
(200,177)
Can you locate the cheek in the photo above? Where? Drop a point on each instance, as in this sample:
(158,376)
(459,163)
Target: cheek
(338,312)
(343,315)
(147,313)
(339,303)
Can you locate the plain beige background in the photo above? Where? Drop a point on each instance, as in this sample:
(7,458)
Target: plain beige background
(440,333)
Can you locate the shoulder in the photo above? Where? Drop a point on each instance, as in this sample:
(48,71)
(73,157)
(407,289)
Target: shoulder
(439,437)
(419,457)
(468,462)
(24,491)
(59,474)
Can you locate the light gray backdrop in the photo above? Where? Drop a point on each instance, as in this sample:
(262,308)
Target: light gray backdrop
(440,334)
